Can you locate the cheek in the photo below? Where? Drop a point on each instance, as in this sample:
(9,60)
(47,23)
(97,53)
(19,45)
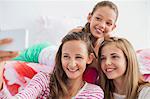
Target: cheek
(123,67)
(64,63)
(102,67)
(109,28)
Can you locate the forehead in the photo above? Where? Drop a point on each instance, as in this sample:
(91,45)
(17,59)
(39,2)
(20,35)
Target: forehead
(106,12)
(76,46)
(111,48)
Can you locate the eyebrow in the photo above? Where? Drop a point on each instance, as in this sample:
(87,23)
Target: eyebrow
(65,53)
(68,54)
(114,54)
(111,54)
(110,20)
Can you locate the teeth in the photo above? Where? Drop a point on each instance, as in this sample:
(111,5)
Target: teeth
(72,70)
(99,31)
(109,69)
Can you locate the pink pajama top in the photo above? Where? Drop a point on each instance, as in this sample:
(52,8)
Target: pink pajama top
(38,88)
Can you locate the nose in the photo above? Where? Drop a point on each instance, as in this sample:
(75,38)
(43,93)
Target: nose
(72,64)
(102,24)
(108,62)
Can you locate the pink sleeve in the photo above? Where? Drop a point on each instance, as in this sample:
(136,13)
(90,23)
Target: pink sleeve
(37,87)
(91,91)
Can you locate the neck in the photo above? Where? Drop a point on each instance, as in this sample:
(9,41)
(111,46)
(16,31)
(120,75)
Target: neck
(74,86)
(119,86)
(94,40)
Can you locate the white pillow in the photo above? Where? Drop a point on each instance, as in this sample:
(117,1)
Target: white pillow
(52,29)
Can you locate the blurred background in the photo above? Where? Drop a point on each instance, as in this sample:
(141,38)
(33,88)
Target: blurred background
(50,20)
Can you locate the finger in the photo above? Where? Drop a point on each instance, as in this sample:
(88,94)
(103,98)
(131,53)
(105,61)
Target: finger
(5,41)
(78,29)
(8,53)
(6,58)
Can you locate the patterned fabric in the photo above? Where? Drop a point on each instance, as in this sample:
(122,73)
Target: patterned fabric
(38,89)
(17,74)
(144,61)
(44,54)
(22,72)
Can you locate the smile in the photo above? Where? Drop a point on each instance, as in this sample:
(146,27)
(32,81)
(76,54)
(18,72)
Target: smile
(72,70)
(110,69)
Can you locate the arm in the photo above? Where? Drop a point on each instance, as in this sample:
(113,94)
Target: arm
(77,29)
(37,86)
(6,55)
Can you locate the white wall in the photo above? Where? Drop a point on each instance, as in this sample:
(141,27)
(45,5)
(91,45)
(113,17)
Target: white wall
(148,7)
(49,17)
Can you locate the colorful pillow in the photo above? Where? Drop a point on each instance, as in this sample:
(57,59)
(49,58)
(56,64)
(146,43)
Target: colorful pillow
(144,62)
(17,74)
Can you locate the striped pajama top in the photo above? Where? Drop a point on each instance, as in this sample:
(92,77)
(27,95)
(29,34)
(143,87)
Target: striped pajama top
(38,88)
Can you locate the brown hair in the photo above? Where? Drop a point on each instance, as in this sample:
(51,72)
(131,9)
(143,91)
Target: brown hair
(98,5)
(58,80)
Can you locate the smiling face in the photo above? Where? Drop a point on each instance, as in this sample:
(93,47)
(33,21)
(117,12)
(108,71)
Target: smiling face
(113,62)
(74,58)
(102,21)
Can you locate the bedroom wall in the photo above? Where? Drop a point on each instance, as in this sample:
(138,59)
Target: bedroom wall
(148,7)
(50,19)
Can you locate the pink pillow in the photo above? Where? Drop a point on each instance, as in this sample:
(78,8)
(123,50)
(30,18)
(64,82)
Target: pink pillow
(144,62)
(17,74)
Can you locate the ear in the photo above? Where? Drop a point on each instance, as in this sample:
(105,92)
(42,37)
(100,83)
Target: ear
(90,58)
(89,17)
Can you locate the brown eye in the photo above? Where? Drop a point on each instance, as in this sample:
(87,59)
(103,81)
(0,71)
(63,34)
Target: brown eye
(115,57)
(102,58)
(98,18)
(79,57)
(108,23)
(66,57)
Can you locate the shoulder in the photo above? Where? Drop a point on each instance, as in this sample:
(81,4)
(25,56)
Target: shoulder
(93,87)
(92,90)
(144,93)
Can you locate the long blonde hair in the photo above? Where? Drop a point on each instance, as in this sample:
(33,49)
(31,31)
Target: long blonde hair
(132,74)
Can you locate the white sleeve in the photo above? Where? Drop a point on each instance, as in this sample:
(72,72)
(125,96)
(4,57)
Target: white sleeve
(144,93)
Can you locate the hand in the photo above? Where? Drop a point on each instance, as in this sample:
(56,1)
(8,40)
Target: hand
(77,29)
(97,45)
(6,55)
(107,35)
(99,41)
(1,72)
